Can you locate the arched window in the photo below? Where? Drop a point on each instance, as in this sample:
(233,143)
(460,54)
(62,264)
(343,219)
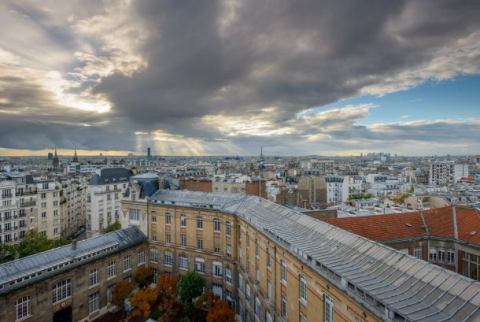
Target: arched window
(62,290)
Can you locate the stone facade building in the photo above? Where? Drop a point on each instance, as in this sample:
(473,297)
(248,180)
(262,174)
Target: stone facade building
(70,283)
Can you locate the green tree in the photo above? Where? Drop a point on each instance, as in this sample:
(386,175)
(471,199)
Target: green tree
(112,227)
(191,287)
(7,253)
(36,242)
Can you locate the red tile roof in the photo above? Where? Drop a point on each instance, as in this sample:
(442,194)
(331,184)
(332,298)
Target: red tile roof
(439,222)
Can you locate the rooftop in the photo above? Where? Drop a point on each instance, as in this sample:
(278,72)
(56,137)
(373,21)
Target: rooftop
(422,224)
(31,269)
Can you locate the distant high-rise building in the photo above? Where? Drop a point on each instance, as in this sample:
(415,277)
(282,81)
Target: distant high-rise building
(149,155)
(50,156)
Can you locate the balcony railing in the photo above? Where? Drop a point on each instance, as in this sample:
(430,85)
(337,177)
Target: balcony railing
(28,204)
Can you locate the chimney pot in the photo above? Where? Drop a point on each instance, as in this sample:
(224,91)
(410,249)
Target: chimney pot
(74,244)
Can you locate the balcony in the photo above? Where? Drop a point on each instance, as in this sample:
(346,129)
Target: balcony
(26,193)
(28,204)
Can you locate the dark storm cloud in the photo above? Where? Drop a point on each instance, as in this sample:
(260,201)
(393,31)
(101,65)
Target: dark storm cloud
(250,59)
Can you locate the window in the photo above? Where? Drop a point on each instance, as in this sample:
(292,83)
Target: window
(328,309)
(258,275)
(44,214)
(257,307)
(217,269)
(199,243)
(216,243)
(417,252)
(303,288)
(247,239)
(257,247)
(200,265)
(134,215)
(433,254)
(283,311)
(154,218)
(127,263)
(217,290)
(111,269)
(229,228)
(183,220)
(247,293)
(216,224)
(302,318)
(168,238)
(228,275)
(154,255)
(168,258)
(93,302)
(141,258)
(229,250)
(268,317)
(156,273)
(183,261)
(109,293)
(269,289)
(62,290)
(451,256)
(168,218)
(240,281)
(183,240)
(441,255)
(22,306)
(284,271)
(199,222)
(93,277)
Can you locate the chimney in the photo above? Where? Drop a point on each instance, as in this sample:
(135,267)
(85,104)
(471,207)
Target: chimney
(74,244)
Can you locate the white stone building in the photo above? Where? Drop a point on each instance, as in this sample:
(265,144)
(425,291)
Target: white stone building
(104,194)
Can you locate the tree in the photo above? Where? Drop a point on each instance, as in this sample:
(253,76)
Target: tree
(165,292)
(143,276)
(167,287)
(221,312)
(120,293)
(36,242)
(112,227)
(7,253)
(191,287)
(142,301)
(207,300)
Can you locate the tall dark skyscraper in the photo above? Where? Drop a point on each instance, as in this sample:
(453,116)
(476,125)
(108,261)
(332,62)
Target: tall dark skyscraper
(149,153)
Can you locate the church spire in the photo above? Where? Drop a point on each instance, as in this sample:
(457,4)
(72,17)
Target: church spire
(75,157)
(55,162)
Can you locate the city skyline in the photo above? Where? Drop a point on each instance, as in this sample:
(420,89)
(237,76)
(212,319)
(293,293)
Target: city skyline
(226,77)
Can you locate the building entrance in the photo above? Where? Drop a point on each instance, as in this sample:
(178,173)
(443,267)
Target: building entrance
(64,315)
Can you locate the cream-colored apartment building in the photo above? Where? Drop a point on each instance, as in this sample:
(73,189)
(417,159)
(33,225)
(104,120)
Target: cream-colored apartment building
(274,264)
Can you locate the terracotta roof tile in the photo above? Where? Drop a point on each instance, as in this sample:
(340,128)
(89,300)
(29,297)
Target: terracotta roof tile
(410,225)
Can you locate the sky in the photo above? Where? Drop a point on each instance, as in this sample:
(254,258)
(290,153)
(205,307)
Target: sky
(227,77)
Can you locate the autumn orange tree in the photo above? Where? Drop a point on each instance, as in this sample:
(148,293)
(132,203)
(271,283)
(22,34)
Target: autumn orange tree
(143,276)
(143,300)
(221,312)
(121,291)
(165,293)
(167,287)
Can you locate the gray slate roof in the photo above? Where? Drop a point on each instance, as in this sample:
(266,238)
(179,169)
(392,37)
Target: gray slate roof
(407,286)
(111,175)
(34,268)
